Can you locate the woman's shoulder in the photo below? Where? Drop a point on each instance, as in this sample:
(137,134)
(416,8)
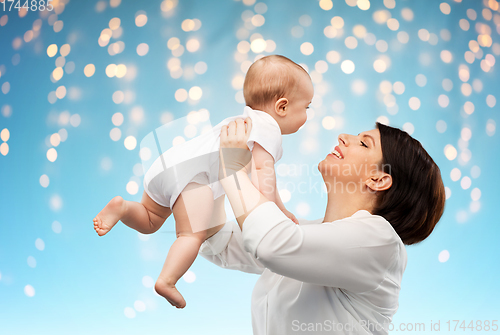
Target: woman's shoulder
(382,240)
(383,233)
(375,224)
(365,229)
(370,229)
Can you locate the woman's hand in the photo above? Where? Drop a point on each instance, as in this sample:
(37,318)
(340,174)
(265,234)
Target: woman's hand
(236,133)
(234,153)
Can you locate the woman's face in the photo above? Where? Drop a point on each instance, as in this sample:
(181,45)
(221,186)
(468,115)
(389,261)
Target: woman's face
(353,162)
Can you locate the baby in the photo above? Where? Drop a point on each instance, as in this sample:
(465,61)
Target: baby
(277,93)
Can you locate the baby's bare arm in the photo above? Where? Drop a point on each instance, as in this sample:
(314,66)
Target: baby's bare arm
(281,206)
(263,175)
(279,202)
(264,178)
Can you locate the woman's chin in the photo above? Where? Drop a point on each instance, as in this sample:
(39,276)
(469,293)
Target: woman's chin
(325,172)
(321,167)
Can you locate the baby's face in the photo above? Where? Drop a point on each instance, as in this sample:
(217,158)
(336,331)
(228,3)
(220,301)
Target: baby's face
(299,102)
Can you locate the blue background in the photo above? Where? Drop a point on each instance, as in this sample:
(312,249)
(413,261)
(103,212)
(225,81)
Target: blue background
(84,284)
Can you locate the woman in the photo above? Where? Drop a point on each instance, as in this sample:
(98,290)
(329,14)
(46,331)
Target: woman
(342,273)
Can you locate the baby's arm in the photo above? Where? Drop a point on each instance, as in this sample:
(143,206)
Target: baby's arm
(264,177)
(281,206)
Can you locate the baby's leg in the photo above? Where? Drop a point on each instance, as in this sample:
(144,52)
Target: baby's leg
(193,211)
(146,217)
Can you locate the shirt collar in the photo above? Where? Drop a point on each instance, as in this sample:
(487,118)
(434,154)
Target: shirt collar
(262,114)
(360,213)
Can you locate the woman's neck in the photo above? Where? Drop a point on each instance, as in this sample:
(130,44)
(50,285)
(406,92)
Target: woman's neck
(340,206)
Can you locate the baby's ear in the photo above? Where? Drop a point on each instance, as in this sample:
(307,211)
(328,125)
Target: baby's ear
(281,106)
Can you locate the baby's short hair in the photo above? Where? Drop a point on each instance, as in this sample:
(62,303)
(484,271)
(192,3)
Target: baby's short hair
(268,79)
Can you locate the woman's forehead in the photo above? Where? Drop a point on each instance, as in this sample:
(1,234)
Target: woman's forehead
(373,132)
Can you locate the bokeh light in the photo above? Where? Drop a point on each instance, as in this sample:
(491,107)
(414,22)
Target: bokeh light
(141,20)
(130,142)
(89,70)
(5,135)
(414,103)
(52,155)
(347,66)
(306,48)
(142,49)
(29,291)
(450,152)
(444,256)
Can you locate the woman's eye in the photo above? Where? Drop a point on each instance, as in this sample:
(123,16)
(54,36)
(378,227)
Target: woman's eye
(363,144)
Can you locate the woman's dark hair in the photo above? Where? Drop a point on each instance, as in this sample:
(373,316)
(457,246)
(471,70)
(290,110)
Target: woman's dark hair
(414,203)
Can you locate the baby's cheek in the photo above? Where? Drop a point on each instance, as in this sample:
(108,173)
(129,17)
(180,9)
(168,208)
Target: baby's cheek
(304,117)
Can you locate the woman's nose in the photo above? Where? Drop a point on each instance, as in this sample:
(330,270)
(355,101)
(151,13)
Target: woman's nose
(343,139)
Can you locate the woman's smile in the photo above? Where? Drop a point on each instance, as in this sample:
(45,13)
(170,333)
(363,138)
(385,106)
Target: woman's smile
(336,153)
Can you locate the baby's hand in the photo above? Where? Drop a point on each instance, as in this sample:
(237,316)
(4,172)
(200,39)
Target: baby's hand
(291,216)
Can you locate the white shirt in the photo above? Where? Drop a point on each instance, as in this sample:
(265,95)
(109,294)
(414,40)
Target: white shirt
(340,277)
(198,159)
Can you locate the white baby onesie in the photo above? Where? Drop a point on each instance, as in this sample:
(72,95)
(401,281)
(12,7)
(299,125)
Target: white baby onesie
(198,159)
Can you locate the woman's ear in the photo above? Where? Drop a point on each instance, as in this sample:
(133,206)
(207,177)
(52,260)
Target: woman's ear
(281,106)
(380,182)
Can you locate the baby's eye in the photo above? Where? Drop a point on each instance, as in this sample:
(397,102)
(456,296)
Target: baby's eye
(363,144)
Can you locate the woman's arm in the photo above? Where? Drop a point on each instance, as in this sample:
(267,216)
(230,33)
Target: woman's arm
(351,253)
(225,249)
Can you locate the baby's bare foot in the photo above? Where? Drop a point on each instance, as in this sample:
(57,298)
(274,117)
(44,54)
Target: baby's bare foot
(169,292)
(109,216)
